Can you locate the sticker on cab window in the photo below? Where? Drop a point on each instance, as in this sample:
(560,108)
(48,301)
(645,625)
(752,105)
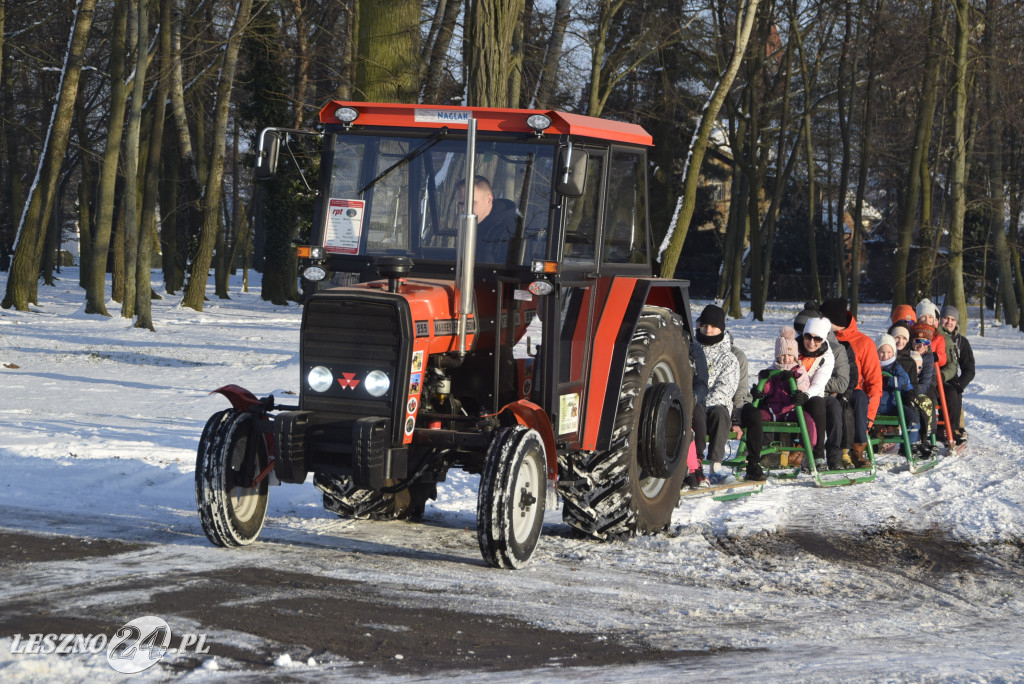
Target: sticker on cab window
(344,226)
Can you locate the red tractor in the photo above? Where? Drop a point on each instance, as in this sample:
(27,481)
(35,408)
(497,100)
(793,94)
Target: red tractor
(508,325)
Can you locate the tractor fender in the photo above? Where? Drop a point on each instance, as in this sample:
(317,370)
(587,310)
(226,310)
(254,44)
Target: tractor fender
(533,416)
(240,398)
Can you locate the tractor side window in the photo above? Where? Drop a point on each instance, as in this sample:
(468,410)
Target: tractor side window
(582,215)
(625,237)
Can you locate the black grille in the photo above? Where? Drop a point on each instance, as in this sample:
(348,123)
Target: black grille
(353,333)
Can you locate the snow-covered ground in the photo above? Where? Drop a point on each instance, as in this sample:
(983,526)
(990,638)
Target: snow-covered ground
(909,578)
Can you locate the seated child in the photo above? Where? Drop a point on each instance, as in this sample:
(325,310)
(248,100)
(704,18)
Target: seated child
(899,382)
(778,403)
(925,389)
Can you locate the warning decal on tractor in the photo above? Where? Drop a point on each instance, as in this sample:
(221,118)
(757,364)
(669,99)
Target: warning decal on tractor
(568,413)
(344,226)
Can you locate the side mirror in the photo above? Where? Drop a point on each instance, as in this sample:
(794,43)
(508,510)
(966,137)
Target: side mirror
(572,172)
(266,157)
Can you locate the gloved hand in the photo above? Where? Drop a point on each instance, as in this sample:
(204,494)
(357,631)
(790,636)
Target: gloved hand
(763,374)
(784,375)
(756,393)
(800,398)
(925,403)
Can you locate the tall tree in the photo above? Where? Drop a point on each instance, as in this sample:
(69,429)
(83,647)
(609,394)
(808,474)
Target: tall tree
(388,65)
(23,280)
(435,49)
(147,224)
(492,26)
(997,214)
(958,177)
(919,153)
(213,191)
(698,146)
(552,56)
(138,26)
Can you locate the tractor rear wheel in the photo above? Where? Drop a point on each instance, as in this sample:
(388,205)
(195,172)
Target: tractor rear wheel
(510,503)
(231,509)
(610,494)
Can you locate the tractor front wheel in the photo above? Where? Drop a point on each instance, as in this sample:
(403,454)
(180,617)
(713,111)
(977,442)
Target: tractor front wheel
(510,504)
(231,509)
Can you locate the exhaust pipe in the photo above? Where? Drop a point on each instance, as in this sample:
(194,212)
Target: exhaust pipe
(467,243)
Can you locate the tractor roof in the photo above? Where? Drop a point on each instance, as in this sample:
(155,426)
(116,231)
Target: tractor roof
(488,119)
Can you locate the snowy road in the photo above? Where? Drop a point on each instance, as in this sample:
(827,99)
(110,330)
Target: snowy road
(909,578)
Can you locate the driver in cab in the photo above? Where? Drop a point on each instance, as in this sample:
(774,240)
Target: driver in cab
(496,221)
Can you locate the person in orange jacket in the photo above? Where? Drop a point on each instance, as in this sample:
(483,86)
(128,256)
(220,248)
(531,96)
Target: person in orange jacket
(869,383)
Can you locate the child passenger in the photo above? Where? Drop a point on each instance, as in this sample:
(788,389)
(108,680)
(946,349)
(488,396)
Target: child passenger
(779,402)
(898,382)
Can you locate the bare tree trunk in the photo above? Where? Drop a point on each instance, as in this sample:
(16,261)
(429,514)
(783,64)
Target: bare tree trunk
(492,62)
(812,208)
(1007,291)
(85,189)
(862,181)
(302,64)
(23,280)
(95,287)
(782,175)
(1016,206)
(439,46)
(698,146)
(552,56)
(955,294)
(918,155)
(349,52)
(143,286)
(198,275)
(138,26)
(388,66)
(845,107)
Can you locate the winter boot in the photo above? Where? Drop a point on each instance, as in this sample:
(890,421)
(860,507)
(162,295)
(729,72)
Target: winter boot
(754,471)
(857,456)
(834,458)
(719,475)
(847,463)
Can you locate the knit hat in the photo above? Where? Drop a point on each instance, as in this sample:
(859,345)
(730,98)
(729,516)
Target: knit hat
(900,331)
(904,312)
(925,308)
(819,327)
(835,311)
(712,315)
(923,331)
(786,343)
(917,357)
(810,311)
(886,339)
(951,311)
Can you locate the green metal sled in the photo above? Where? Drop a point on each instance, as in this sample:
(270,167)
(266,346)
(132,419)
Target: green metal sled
(797,431)
(902,437)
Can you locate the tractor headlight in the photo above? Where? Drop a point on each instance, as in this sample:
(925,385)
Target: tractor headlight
(316,253)
(319,379)
(539,122)
(314,273)
(377,383)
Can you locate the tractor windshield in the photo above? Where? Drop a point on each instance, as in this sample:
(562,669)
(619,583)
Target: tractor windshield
(403,196)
